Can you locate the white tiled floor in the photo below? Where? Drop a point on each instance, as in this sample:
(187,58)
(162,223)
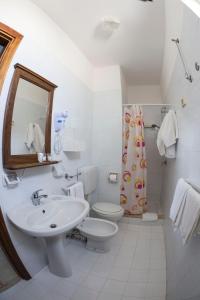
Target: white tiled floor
(134,269)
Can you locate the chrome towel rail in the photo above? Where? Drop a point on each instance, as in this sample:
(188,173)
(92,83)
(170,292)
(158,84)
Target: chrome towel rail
(188,76)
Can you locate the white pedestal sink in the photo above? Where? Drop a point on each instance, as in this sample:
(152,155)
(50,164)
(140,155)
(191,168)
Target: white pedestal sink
(50,220)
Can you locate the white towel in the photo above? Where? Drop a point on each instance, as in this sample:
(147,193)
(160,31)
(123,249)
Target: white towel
(38,142)
(29,136)
(190,216)
(34,138)
(89,178)
(179,199)
(168,135)
(75,190)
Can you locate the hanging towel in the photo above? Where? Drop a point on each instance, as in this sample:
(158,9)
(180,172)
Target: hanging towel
(34,138)
(89,178)
(168,135)
(38,142)
(29,136)
(75,190)
(190,216)
(179,199)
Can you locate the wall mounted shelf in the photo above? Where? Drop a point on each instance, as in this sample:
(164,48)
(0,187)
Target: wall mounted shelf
(30,165)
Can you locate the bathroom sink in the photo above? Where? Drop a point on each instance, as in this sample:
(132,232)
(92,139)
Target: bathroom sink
(53,216)
(50,220)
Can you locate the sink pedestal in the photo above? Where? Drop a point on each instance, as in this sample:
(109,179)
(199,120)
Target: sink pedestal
(57,257)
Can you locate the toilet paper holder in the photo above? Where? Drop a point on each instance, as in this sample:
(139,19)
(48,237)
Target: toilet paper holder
(113,177)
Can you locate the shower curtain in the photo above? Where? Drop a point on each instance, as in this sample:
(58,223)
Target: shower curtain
(134,163)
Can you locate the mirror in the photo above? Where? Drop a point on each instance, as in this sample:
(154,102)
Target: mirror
(27,122)
(28,133)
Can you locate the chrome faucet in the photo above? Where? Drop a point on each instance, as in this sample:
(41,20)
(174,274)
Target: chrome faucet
(35,197)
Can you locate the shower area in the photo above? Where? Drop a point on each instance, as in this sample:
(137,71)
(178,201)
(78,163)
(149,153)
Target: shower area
(142,166)
(8,276)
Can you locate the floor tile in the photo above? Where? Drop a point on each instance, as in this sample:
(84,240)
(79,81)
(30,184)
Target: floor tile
(65,288)
(108,296)
(77,276)
(138,276)
(123,261)
(155,290)
(101,270)
(157,264)
(155,298)
(84,294)
(119,273)
(135,290)
(157,276)
(114,287)
(35,291)
(132,298)
(140,264)
(94,282)
(105,259)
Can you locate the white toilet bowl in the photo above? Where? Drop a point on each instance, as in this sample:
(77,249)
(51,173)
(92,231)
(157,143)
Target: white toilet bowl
(108,211)
(98,233)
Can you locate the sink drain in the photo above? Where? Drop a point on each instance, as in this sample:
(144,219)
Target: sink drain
(53,226)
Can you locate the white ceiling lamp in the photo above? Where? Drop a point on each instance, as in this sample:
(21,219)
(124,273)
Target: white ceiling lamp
(107,26)
(110,24)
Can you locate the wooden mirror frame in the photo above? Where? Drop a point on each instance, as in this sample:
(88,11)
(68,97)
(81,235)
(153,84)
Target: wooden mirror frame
(14,162)
(13,38)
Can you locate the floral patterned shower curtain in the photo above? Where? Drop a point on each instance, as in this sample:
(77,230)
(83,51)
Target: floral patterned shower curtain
(134,163)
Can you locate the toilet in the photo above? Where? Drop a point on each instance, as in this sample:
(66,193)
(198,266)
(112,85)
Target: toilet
(104,210)
(103,227)
(98,233)
(108,211)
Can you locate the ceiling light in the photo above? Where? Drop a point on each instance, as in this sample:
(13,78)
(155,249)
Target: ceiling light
(110,24)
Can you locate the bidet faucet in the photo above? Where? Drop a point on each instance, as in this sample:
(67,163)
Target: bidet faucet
(35,197)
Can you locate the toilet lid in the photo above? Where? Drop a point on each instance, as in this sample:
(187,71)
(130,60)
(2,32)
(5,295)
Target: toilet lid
(105,207)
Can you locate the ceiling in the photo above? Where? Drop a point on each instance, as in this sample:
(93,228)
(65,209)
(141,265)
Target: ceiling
(137,45)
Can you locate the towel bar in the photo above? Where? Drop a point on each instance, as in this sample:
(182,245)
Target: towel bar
(188,76)
(69,177)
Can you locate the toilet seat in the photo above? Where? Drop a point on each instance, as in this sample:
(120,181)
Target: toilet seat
(107,208)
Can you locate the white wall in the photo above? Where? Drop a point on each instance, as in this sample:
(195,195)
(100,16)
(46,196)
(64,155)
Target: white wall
(173,24)
(144,94)
(107,130)
(152,115)
(183,262)
(48,51)
(124,87)
(61,47)
(107,78)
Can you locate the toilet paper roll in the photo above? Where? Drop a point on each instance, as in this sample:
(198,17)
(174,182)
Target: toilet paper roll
(113,177)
